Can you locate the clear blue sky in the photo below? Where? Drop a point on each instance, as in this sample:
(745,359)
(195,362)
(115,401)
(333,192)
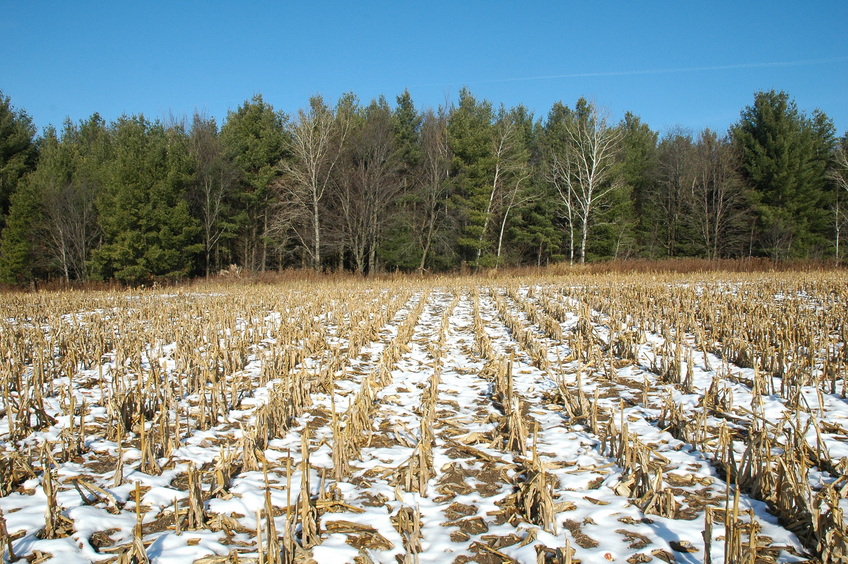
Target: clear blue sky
(686,63)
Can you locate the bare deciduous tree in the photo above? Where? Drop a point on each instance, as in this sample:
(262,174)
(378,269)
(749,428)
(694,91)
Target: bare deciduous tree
(716,193)
(367,184)
(839,174)
(316,142)
(213,176)
(70,226)
(435,170)
(585,166)
(673,190)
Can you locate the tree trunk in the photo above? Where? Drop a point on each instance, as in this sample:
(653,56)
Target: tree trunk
(488,214)
(570,241)
(503,228)
(65,267)
(838,226)
(583,239)
(264,241)
(316,226)
(500,238)
(428,239)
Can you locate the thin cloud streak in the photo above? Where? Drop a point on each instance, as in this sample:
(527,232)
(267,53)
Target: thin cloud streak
(808,62)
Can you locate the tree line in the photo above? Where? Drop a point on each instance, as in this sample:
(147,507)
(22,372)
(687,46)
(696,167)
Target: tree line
(377,187)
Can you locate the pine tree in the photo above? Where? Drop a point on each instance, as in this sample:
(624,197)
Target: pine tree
(18,154)
(470,130)
(639,170)
(18,157)
(398,249)
(18,254)
(784,160)
(144,216)
(406,125)
(536,228)
(254,140)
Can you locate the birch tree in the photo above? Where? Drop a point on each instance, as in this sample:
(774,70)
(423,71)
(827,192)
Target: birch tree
(557,174)
(316,142)
(510,163)
(555,171)
(586,165)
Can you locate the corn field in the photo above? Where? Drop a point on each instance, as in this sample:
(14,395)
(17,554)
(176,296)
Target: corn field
(594,418)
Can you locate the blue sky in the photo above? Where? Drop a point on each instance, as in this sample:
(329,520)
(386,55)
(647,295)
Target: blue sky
(673,63)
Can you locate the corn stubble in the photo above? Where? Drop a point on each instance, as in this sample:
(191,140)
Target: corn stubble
(147,371)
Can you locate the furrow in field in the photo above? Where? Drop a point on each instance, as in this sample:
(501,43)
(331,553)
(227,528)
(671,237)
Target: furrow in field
(684,483)
(734,418)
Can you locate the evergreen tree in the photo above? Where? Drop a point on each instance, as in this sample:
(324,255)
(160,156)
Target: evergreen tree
(639,170)
(784,158)
(18,152)
(398,249)
(470,130)
(254,139)
(148,231)
(18,251)
(536,228)
(406,125)
(613,227)
(21,249)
